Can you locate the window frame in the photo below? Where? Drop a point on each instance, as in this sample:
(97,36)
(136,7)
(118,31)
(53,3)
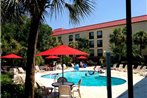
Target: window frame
(77,38)
(101,35)
(101,43)
(90,35)
(70,38)
(91,46)
(91,52)
(98,53)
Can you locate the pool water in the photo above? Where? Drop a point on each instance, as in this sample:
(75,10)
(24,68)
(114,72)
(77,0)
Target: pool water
(89,78)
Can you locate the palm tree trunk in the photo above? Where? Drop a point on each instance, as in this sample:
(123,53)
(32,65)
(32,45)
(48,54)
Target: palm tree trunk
(30,71)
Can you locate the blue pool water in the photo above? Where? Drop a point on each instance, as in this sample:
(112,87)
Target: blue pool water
(90,80)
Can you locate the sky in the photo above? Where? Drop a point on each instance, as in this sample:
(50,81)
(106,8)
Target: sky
(104,11)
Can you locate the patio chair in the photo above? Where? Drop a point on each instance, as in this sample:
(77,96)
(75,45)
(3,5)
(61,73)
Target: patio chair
(64,66)
(59,66)
(61,79)
(45,91)
(17,79)
(20,69)
(37,69)
(14,71)
(135,71)
(3,69)
(114,67)
(143,71)
(65,91)
(125,68)
(76,88)
(120,68)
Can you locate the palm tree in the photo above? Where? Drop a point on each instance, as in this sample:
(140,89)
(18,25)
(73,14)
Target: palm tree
(118,43)
(118,36)
(140,39)
(77,9)
(73,44)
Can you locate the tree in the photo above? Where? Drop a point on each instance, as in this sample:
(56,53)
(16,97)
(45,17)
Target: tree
(118,36)
(118,43)
(140,39)
(77,10)
(45,40)
(9,43)
(81,44)
(73,44)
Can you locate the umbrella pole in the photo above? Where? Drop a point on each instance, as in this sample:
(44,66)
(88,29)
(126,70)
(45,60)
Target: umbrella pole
(62,68)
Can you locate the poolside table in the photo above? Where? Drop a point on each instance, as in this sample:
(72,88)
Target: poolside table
(57,84)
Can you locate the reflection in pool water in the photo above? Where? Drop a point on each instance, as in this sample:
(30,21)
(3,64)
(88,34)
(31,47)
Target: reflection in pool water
(88,79)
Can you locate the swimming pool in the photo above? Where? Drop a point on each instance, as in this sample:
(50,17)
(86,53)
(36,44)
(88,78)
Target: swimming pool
(87,80)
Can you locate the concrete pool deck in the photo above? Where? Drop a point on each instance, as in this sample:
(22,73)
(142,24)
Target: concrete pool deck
(119,91)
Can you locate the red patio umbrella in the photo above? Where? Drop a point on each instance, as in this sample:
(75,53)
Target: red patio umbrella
(82,57)
(11,56)
(62,50)
(52,57)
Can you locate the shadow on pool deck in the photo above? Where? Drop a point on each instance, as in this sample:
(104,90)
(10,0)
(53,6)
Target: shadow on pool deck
(140,90)
(54,95)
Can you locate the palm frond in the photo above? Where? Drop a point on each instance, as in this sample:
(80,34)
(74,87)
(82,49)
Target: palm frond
(82,8)
(77,9)
(12,10)
(56,8)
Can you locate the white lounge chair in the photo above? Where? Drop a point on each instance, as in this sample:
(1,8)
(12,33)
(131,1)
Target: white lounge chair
(114,67)
(143,71)
(21,70)
(64,66)
(120,68)
(18,79)
(125,68)
(59,66)
(37,69)
(14,71)
(135,71)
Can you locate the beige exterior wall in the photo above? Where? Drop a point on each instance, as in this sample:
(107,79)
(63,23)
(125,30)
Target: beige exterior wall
(105,33)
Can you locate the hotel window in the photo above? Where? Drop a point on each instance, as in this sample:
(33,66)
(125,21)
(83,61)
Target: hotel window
(99,43)
(91,35)
(100,52)
(77,37)
(59,38)
(91,44)
(70,37)
(99,34)
(91,52)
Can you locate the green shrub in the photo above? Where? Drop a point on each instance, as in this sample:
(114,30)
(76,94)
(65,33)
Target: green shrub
(6,78)
(39,60)
(11,90)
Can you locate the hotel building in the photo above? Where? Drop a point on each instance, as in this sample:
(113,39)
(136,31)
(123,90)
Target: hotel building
(98,34)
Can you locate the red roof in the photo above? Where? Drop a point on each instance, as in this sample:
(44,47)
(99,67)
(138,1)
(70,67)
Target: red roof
(61,31)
